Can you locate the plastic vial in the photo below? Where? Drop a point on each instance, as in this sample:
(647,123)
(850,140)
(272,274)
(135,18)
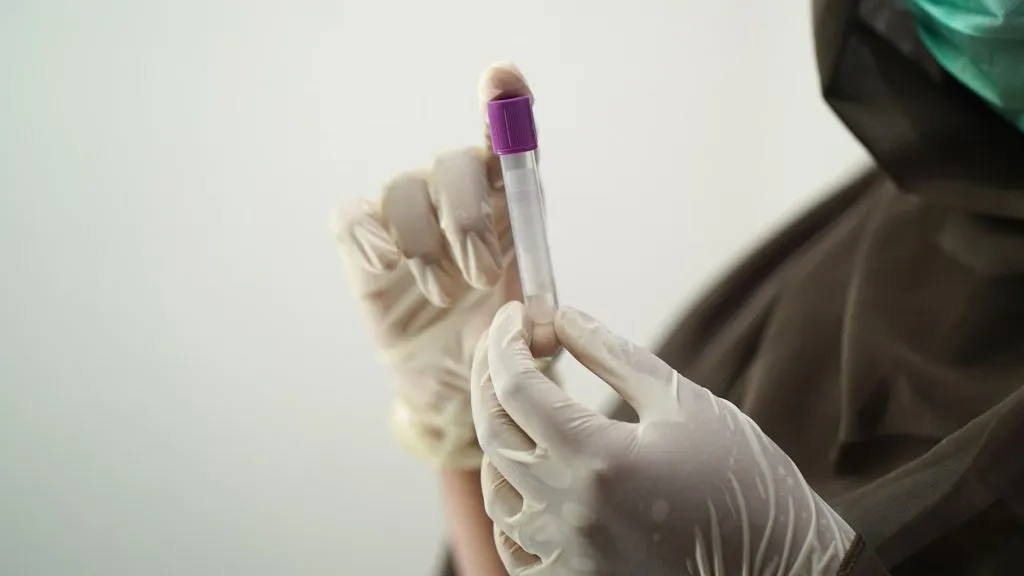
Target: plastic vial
(514,139)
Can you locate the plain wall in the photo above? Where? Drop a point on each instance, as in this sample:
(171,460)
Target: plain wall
(186,385)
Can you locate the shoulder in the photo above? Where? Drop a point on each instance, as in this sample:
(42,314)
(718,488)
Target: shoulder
(719,332)
(737,302)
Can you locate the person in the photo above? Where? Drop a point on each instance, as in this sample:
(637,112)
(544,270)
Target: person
(852,401)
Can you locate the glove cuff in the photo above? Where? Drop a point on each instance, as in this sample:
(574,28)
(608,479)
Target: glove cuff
(447,447)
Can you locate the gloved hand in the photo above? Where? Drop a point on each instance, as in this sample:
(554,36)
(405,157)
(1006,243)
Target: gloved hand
(431,261)
(694,488)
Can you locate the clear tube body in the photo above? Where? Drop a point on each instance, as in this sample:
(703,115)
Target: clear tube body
(529,234)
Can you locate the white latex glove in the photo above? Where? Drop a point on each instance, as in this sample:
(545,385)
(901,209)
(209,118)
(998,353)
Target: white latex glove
(694,488)
(431,261)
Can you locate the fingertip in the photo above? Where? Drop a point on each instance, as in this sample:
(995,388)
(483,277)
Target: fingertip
(499,80)
(513,321)
(543,340)
(630,369)
(562,314)
(593,344)
(509,319)
(502,80)
(571,324)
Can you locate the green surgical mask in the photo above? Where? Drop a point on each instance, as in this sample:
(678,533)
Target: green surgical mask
(981,43)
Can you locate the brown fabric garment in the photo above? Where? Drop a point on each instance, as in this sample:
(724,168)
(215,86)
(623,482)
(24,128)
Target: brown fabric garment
(888,363)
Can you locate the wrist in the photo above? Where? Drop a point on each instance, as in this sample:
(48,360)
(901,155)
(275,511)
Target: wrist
(471,531)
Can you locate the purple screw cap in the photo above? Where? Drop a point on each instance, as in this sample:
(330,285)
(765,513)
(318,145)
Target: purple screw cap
(512,127)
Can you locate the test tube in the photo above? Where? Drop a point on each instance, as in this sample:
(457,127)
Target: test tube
(514,140)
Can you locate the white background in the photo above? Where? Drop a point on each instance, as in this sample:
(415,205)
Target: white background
(186,387)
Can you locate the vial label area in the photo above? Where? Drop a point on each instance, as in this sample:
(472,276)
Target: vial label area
(529,234)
